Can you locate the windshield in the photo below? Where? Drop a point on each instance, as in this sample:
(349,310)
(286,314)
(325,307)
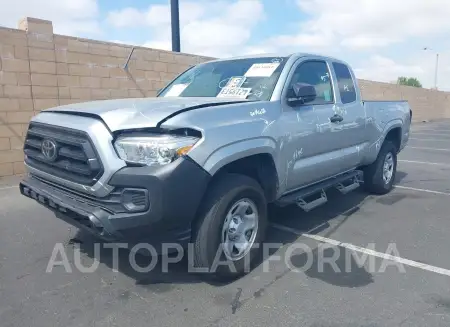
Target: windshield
(250,78)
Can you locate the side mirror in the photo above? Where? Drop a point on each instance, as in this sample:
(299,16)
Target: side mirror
(301,93)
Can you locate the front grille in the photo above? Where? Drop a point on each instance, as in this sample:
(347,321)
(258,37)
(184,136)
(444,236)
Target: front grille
(75,158)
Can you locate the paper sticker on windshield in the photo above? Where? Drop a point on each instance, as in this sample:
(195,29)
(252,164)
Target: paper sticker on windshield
(176,90)
(262,70)
(236,81)
(234,92)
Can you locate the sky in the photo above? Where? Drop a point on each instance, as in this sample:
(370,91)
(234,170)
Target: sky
(380,39)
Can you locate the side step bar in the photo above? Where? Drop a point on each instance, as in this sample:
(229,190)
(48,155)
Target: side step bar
(315,195)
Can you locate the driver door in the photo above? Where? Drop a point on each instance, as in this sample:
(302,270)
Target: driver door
(307,145)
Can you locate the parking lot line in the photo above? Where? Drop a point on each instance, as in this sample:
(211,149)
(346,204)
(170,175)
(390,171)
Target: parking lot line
(411,263)
(432,134)
(7,187)
(424,162)
(420,190)
(381,255)
(427,130)
(428,140)
(425,148)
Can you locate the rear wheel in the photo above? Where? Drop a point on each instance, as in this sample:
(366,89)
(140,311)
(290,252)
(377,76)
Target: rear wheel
(231,225)
(379,176)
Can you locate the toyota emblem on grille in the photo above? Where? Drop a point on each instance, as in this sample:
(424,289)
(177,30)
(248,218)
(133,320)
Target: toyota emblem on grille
(49,149)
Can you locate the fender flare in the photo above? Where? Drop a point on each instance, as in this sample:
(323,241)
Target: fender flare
(239,150)
(395,123)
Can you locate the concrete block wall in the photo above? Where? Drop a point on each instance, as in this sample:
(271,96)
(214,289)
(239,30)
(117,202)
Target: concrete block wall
(426,104)
(40,69)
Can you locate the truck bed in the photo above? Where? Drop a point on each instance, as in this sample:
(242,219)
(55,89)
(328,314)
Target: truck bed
(385,111)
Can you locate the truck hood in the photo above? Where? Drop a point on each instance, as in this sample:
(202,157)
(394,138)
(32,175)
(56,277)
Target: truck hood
(124,114)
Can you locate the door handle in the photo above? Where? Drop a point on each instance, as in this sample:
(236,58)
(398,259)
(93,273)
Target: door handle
(336,118)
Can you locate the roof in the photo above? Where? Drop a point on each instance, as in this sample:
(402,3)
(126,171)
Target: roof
(284,55)
(261,55)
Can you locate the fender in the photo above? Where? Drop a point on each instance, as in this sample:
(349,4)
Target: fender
(238,150)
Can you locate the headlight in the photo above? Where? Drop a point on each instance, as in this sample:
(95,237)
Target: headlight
(153,150)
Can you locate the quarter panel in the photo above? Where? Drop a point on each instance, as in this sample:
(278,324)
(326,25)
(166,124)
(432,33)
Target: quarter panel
(382,117)
(374,148)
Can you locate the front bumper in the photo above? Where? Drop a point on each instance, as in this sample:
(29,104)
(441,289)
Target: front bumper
(173,192)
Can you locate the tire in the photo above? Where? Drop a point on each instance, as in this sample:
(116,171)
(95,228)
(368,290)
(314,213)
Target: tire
(227,191)
(374,181)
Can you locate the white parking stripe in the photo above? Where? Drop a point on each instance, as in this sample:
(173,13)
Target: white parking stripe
(386,256)
(428,140)
(424,162)
(425,148)
(430,131)
(411,263)
(421,190)
(433,134)
(431,128)
(8,187)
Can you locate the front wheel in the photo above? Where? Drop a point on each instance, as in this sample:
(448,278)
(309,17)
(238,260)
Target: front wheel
(232,224)
(379,176)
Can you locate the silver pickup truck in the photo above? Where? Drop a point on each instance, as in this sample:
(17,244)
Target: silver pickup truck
(200,163)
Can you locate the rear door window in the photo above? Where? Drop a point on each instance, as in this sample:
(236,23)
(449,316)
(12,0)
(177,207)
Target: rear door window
(345,83)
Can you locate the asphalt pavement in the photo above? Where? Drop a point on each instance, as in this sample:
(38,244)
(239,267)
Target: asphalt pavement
(391,263)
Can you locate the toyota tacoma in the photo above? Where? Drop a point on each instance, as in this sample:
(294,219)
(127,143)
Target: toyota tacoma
(199,163)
